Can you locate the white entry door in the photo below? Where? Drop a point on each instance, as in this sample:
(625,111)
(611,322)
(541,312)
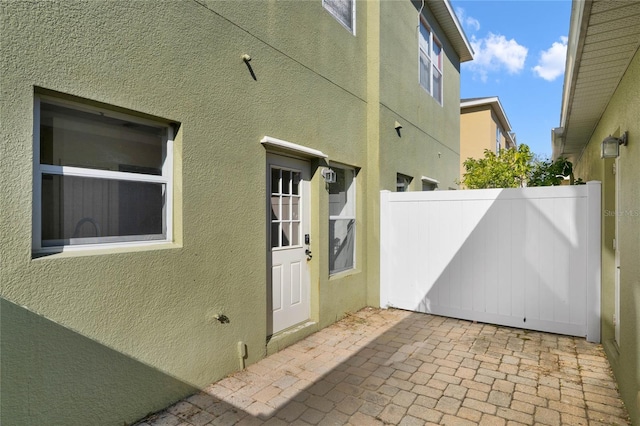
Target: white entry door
(288,209)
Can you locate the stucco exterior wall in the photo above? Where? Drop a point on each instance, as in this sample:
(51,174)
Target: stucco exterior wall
(428,141)
(621,115)
(117,315)
(477,133)
(85,334)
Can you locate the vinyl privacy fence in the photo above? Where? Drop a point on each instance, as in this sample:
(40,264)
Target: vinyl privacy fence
(526,257)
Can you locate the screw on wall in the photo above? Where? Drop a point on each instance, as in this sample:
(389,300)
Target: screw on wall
(222,318)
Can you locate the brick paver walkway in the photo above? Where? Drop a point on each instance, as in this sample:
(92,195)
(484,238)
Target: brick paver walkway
(398,367)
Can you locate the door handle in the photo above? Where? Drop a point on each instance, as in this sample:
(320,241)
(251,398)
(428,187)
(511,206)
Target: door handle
(308,253)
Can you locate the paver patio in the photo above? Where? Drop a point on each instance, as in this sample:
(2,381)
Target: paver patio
(398,367)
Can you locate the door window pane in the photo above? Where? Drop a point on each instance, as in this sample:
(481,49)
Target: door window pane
(286,212)
(295,208)
(285,208)
(275,181)
(286,181)
(286,234)
(295,233)
(275,234)
(295,183)
(275,208)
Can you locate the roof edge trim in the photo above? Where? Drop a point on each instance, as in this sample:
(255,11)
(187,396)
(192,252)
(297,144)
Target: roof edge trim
(458,39)
(580,14)
(496,106)
(282,145)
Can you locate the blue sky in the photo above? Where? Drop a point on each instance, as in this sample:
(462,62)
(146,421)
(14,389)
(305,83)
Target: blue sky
(520,48)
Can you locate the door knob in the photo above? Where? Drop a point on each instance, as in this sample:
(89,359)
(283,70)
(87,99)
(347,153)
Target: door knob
(308,253)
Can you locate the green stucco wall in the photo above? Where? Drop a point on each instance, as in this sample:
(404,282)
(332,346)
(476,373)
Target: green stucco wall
(429,141)
(621,115)
(131,311)
(119,333)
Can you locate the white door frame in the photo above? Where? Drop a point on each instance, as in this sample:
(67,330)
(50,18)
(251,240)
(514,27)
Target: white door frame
(288,302)
(616,218)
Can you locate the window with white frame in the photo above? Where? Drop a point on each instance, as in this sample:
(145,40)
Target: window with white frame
(344,11)
(429,184)
(342,221)
(100,176)
(430,71)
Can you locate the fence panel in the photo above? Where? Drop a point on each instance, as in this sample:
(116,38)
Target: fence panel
(526,257)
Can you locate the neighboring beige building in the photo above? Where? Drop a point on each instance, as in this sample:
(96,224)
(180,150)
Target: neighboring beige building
(483,125)
(601,98)
(189,185)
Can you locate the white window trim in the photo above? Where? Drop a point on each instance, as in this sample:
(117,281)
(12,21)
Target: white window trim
(349,217)
(430,180)
(352,30)
(432,39)
(39,169)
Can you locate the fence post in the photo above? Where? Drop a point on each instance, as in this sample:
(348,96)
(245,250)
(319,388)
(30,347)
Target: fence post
(594,256)
(385,224)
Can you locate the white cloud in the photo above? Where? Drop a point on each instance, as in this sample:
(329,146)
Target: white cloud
(551,62)
(495,53)
(468,22)
(472,23)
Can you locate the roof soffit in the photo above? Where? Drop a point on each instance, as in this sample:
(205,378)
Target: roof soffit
(449,23)
(604,36)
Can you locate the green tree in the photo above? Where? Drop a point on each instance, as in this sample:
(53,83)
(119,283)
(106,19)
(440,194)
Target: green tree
(545,172)
(510,169)
(514,168)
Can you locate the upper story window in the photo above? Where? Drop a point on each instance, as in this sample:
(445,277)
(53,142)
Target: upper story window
(100,177)
(429,184)
(403,182)
(344,11)
(498,137)
(342,220)
(430,62)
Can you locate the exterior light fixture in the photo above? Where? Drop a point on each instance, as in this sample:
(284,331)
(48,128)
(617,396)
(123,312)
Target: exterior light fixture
(329,175)
(611,145)
(397,126)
